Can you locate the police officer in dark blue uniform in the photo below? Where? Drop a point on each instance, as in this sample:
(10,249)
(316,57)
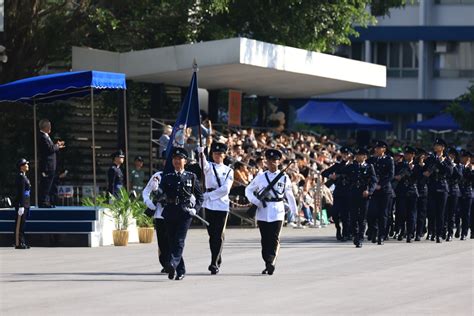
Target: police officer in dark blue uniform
(115,174)
(422,201)
(362,182)
(378,208)
(183,199)
(406,190)
(465,186)
(438,168)
(340,210)
(454,193)
(22,203)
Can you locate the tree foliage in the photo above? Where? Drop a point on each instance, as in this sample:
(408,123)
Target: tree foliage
(458,109)
(40,32)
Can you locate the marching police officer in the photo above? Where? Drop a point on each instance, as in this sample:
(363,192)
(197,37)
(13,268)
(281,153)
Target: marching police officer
(22,203)
(437,168)
(454,193)
(271,212)
(379,203)
(115,174)
(219,179)
(183,200)
(137,175)
(406,191)
(465,186)
(422,201)
(150,198)
(362,182)
(340,210)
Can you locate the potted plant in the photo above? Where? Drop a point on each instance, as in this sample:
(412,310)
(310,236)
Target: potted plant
(145,223)
(120,208)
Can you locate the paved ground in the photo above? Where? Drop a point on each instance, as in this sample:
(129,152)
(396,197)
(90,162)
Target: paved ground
(315,275)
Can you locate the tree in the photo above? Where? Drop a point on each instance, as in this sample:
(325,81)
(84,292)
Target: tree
(464,117)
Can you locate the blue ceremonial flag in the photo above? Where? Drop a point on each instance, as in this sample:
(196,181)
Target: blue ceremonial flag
(189,116)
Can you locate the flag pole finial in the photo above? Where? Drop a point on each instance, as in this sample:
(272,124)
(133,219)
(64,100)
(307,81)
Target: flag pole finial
(195,65)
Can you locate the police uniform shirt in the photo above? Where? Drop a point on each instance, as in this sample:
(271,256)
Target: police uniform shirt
(152,186)
(137,177)
(362,177)
(217,198)
(275,211)
(384,170)
(23,190)
(115,177)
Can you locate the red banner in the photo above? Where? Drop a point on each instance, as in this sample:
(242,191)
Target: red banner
(235,107)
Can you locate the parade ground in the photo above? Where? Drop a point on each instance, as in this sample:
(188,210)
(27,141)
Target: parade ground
(315,275)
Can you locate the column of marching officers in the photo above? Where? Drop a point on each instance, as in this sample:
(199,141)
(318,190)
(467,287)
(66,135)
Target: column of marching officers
(419,194)
(431,194)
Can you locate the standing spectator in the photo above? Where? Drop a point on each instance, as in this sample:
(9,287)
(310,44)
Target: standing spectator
(47,162)
(137,176)
(163,141)
(115,174)
(22,204)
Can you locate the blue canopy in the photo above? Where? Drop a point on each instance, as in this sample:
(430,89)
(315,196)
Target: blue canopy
(441,122)
(48,88)
(337,115)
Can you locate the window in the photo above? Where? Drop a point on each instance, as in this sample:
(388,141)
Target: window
(454,1)
(401,58)
(454,60)
(355,51)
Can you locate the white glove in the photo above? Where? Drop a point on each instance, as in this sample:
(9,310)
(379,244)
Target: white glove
(21,210)
(200,150)
(192,211)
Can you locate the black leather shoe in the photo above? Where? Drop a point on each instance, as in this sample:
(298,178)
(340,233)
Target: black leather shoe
(359,245)
(428,237)
(179,277)
(264,271)
(374,240)
(22,246)
(463,237)
(338,235)
(433,238)
(270,268)
(457,234)
(213,269)
(449,238)
(408,240)
(171,273)
(163,270)
(417,238)
(400,237)
(379,241)
(438,240)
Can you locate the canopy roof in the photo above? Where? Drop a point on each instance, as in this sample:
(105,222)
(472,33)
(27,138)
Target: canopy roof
(60,86)
(439,123)
(248,65)
(337,115)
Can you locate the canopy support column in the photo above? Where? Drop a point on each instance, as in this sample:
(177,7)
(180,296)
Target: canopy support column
(125,129)
(36,152)
(93,146)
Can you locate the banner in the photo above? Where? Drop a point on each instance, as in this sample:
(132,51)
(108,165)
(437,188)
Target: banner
(235,108)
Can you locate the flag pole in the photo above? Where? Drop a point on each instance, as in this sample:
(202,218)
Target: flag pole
(203,179)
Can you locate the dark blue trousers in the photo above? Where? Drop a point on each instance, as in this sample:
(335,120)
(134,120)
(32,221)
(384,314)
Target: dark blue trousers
(358,214)
(378,214)
(177,230)
(341,213)
(465,204)
(437,205)
(421,208)
(450,214)
(406,214)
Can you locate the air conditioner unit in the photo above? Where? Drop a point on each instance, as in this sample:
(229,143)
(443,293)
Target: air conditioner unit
(441,47)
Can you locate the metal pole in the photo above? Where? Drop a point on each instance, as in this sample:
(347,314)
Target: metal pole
(93,145)
(36,153)
(125,129)
(151,147)
(203,177)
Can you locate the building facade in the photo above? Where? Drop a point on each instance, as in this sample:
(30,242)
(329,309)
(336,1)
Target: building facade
(428,49)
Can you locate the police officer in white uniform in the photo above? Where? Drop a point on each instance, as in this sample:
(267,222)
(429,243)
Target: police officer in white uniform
(270,218)
(148,195)
(219,179)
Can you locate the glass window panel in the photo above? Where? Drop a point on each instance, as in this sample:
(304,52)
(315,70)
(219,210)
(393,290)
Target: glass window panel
(356,51)
(382,53)
(394,55)
(407,55)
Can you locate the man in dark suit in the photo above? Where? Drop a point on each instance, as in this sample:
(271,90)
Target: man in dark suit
(183,199)
(47,162)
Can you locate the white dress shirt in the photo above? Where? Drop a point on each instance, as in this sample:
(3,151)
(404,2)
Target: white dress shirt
(275,211)
(152,186)
(218,199)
